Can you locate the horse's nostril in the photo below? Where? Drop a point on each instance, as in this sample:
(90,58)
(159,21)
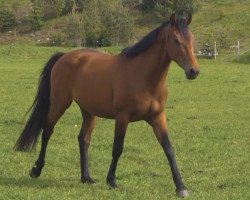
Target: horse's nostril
(192,71)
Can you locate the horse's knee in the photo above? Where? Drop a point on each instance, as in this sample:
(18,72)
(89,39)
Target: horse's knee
(117,151)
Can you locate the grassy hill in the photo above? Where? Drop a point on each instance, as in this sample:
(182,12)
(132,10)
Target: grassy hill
(224,21)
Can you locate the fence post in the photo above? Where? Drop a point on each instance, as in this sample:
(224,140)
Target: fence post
(238,50)
(215,50)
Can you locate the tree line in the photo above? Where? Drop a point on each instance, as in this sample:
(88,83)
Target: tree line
(92,22)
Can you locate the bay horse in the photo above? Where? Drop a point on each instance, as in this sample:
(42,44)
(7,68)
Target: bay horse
(127,87)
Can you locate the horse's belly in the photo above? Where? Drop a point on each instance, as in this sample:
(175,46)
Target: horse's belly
(95,94)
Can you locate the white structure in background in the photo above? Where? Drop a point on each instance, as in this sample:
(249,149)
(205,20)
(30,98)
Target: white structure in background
(208,51)
(238,50)
(215,50)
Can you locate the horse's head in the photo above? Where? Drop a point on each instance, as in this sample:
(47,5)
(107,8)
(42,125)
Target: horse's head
(179,45)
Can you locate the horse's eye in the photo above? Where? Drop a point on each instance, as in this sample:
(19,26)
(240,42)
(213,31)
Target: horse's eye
(177,41)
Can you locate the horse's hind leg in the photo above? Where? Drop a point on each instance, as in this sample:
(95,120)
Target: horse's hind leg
(84,137)
(39,164)
(56,111)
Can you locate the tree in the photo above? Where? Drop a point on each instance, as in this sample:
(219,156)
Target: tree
(181,7)
(93,23)
(134,4)
(101,23)
(36,18)
(76,28)
(7,18)
(50,8)
(118,24)
(148,4)
(166,7)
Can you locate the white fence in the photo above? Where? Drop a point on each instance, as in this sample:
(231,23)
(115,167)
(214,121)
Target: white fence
(211,51)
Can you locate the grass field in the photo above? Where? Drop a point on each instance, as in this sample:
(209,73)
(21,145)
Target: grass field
(208,119)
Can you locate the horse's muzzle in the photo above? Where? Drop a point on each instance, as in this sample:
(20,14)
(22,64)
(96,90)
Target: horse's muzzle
(192,73)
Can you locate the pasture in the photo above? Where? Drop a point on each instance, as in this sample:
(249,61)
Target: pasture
(208,121)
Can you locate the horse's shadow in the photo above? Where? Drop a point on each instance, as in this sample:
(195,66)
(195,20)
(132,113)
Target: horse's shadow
(39,183)
(45,182)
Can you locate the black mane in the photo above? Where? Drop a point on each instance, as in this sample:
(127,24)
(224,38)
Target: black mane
(145,43)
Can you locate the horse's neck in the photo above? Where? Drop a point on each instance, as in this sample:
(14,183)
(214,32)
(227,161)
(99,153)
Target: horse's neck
(156,63)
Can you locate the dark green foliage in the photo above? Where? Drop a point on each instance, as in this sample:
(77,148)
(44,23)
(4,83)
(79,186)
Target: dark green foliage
(75,31)
(50,8)
(7,18)
(93,24)
(166,7)
(131,3)
(99,26)
(58,7)
(181,7)
(151,4)
(80,5)
(36,18)
(148,4)
(68,6)
(58,39)
(118,24)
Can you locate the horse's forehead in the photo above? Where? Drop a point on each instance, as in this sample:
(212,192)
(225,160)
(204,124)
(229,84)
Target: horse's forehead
(181,28)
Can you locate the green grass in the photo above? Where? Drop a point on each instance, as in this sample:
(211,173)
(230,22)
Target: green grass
(208,119)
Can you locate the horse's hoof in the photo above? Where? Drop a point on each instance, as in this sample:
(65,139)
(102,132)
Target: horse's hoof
(182,193)
(35,173)
(88,180)
(111,183)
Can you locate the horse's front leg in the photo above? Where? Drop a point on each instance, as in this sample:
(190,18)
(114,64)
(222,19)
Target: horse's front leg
(159,126)
(121,124)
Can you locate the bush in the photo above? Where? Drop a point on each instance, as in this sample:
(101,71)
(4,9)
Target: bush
(36,18)
(68,6)
(131,3)
(100,24)
(58,39)
(80,5)
(7,18)
(148,4)
(181,7)
(93,23)
(50,8)
(75,31)
(118,24)
(165,7)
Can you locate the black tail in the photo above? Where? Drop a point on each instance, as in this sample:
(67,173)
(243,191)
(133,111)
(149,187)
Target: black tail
(40,109)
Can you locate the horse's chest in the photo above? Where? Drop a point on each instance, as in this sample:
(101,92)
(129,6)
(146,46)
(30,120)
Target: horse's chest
(141,104)
(140,110)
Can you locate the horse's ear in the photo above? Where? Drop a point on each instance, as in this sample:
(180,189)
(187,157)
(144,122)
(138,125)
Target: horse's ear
(172,19)
(189,18)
